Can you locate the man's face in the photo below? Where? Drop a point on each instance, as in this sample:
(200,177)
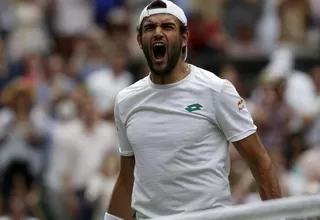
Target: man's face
(161,42)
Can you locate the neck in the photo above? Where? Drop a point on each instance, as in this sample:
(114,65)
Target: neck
(178,73)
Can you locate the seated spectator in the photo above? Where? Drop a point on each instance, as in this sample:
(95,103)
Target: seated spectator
(25,130)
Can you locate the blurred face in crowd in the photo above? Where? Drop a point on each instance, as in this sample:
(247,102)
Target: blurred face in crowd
(162,40)
(89,111)
(66,109)
(55,63)
(22,103)
(34,63)
(118,62)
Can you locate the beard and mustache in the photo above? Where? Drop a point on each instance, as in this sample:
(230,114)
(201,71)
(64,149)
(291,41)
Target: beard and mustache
(172,53)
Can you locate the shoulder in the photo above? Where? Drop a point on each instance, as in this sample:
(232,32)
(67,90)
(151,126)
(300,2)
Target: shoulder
(129,92)
(206,79)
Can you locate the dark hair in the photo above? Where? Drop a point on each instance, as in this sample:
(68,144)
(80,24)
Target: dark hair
(20,168)
(160,4)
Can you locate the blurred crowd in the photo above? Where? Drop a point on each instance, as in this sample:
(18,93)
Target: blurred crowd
(63,62)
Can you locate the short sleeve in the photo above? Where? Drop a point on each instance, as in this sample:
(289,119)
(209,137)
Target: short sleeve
(125,148)
(232,115)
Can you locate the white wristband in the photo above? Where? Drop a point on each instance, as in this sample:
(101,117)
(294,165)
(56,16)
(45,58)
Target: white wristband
(107,216)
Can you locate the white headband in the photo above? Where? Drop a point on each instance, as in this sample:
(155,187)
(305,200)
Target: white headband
(171,8)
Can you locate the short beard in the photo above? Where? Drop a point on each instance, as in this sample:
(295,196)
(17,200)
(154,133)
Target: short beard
(173,55)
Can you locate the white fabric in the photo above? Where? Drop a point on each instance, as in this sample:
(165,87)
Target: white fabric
(98,192)
(300,93)
(268,27)
(73,17)
(171,8)
(182,160)
(300,89)
(27,34)
(105,86)
(63,133)
(107,216)
(89,150)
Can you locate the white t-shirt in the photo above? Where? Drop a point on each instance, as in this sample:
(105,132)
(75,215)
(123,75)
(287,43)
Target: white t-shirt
(179,134)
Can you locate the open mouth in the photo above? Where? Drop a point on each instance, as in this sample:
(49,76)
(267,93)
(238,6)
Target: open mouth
(159,51)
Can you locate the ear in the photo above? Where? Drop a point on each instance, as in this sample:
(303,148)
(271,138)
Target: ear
(139,40)
(185,38)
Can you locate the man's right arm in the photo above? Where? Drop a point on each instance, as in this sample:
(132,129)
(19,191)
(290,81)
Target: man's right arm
(120,204)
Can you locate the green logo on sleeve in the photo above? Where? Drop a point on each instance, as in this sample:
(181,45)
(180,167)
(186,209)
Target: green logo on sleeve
(193,107)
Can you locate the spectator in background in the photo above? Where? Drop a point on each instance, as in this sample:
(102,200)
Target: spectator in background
(64,130)
(313,131)
(100,186)
(243,42)
(20,196)
(206,26)
(240,20)
(293,29)
(5,18)
(243,12)
(102,8)
(90,54)
(8,71)
(71,20)
(304,176)
(27,33)
(271,114)
(117,30)
(299,91)
(53,82)
(268,27)
(88,146)
(33,69)
(229,72)
(25,130)
(104,85)
(314,29)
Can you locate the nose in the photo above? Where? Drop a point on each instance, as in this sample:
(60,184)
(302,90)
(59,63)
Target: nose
(158,33)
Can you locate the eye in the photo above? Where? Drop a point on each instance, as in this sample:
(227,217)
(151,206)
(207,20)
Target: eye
(168,26)
(148,27)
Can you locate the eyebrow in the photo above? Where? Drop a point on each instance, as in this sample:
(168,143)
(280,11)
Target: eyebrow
(167,21)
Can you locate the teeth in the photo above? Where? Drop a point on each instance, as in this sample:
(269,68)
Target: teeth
(158,44)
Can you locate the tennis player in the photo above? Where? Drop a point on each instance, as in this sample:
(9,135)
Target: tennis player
(174,127)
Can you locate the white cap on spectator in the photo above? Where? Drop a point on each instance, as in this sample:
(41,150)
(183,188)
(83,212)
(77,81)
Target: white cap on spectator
(170,8)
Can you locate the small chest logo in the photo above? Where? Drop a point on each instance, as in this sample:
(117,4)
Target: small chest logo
(240,104)
(193,107)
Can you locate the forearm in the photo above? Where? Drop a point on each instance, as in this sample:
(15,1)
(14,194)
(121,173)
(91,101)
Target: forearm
(120,203)
(267,181)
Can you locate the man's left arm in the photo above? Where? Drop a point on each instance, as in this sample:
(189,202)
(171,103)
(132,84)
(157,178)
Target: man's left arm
(235,121)
(252,150)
